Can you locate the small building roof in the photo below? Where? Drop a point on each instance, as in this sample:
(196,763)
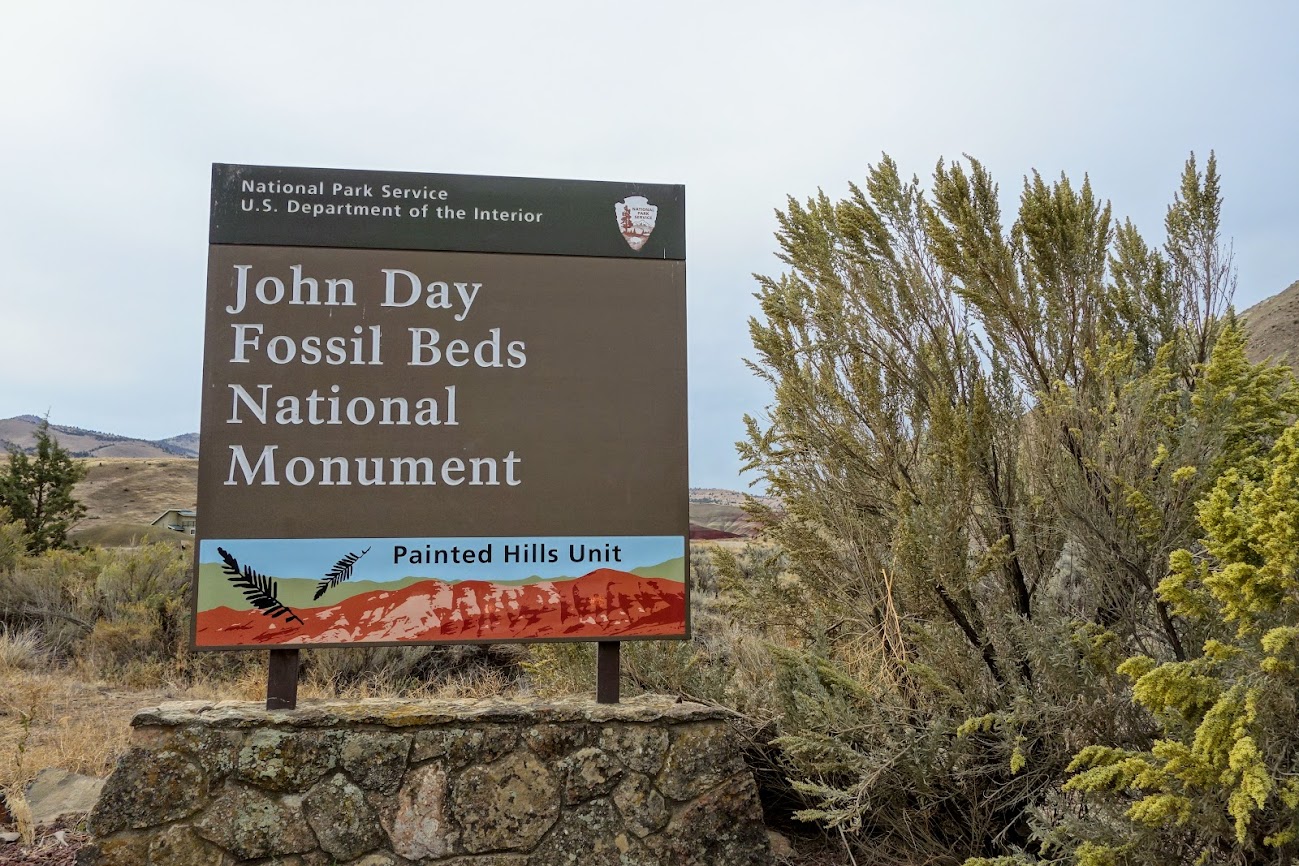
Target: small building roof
(179,512)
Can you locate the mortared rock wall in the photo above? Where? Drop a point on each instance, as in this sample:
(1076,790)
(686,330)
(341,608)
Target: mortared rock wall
(431,783)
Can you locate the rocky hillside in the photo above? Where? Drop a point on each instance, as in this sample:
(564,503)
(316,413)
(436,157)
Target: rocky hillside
(1273,326)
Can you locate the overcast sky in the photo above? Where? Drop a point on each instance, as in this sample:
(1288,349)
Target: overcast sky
(112,113)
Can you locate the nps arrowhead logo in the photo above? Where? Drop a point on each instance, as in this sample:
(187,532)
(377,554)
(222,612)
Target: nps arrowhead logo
(636,218)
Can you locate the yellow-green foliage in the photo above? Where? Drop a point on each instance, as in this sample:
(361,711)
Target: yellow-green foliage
(1221,781)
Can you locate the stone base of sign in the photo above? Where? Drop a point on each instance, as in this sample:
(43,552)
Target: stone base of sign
(432,783)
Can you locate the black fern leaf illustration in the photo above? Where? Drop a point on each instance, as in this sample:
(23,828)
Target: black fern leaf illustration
(341,571)
(259,590)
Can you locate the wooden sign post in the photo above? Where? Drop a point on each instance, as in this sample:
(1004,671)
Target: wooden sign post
(608,671)
(282,680)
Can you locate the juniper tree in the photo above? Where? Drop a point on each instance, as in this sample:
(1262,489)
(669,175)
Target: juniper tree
(37,490)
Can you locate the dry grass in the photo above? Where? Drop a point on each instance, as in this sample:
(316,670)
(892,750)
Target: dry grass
(250,685)
(135,490)
(107,533)
(51,720)
(735,545)
(21,650)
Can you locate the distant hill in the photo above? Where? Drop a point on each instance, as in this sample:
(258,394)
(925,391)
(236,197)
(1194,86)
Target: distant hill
(717,513)
(187,442)
(120,490)
(699,532)
(20,432)
(721,496)
(1273,326)
(730,520)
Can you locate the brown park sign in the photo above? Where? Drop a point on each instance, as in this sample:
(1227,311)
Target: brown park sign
(441,408)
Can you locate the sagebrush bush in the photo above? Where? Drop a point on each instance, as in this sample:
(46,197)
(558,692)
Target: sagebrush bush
(53,593)
(141,625)
(987,439)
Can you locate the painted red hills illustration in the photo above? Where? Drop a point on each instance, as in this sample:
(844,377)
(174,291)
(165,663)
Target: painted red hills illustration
(602,604)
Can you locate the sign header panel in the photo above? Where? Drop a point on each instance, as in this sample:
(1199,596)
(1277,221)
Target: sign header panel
(417,429)
(280,206)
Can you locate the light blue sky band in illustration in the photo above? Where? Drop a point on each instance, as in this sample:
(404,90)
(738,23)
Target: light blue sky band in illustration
(392,559)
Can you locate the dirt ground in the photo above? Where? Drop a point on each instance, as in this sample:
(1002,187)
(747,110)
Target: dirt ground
(53,846)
